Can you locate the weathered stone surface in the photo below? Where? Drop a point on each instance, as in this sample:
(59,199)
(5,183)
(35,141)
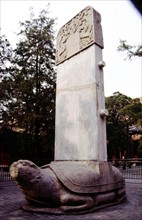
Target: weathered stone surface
(80,106)
(68,187)
(79,33)
(88,176)
(80,129)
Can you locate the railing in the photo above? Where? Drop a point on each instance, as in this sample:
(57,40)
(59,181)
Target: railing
(5,165)
(4,173)
(130,169)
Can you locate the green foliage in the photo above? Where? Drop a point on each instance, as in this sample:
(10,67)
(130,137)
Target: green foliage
(28,89)
(5,59)
(5,52)
(123,112)
(131,51)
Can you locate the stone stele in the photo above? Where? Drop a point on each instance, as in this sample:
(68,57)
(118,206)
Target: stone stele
(80,105)
(80,180)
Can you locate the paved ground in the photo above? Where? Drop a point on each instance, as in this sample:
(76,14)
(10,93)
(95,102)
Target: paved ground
(11,199)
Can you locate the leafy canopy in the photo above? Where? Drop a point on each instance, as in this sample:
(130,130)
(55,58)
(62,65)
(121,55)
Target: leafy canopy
(27,87)
(131,51)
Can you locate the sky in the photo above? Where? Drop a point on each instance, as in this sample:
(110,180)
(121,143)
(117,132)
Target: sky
(120,20)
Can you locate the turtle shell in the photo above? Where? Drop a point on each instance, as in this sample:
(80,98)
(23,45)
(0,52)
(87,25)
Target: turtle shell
(87,176)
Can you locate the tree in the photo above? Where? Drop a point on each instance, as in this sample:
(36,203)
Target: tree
(31,80)
(131,51)
(5,53)
(123,113)
(5,59)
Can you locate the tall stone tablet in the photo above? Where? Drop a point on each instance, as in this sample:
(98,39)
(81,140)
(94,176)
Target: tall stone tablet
(80,106)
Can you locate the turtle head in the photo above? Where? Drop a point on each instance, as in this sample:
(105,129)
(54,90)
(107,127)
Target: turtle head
(24,172)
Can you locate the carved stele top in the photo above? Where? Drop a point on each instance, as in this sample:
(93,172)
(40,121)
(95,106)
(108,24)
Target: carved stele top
(79,33)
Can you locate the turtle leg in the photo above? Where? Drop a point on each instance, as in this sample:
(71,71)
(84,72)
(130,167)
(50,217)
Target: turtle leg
(75,203)
(120,194)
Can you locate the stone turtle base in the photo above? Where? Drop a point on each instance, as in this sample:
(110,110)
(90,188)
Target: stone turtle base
(85,186)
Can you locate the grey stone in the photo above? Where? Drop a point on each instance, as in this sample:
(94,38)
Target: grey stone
(79,33)
(80,105)
(68,187)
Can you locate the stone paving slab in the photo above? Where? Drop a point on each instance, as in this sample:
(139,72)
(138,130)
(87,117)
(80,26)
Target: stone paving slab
(11,199)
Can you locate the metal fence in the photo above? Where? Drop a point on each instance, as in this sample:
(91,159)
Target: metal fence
(130,169)
(4,173)
(5,165)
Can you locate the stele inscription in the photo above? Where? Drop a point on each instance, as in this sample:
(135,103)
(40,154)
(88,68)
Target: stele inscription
(79,33)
